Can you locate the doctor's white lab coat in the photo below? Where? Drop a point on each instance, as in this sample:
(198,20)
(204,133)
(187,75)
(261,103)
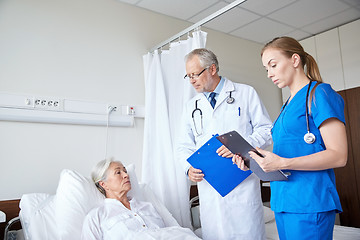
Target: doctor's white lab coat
(238,215)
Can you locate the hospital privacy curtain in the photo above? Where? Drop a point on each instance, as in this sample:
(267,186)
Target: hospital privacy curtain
(165,93)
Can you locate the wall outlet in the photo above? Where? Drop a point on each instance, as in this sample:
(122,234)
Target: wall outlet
(130,110)
(48,103)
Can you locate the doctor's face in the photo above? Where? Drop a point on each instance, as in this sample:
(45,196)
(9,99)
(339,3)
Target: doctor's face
(117,181)
(279,67)
(202,82)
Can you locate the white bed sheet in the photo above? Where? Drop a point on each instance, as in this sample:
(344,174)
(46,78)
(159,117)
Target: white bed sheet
(173,233)
(346,233)
(167,233)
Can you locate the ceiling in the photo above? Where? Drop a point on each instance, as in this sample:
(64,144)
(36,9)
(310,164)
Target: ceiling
(261,20)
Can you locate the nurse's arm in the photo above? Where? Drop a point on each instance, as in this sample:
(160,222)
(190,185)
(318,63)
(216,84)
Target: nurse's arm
(333,133)
(270,162)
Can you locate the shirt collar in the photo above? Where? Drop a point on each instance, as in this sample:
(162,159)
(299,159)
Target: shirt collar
(218,88)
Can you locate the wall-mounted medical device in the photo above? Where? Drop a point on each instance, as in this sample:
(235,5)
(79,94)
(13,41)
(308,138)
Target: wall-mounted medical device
(40,109)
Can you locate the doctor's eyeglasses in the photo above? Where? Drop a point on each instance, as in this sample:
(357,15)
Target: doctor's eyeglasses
(194,75)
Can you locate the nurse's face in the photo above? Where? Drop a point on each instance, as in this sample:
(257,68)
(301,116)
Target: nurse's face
(202,82)
(117,182)
(280,69)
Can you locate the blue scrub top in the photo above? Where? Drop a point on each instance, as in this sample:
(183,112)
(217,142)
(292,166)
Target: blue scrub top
(305,191)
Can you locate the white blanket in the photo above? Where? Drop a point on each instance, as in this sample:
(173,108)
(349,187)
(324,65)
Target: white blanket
(168,233)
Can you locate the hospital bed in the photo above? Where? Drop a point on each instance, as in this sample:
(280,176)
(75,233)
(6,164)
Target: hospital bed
(60,216)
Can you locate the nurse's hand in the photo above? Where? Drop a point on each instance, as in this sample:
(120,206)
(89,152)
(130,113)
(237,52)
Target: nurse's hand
(240,162)
(195,175)
(269,163)
(224,152)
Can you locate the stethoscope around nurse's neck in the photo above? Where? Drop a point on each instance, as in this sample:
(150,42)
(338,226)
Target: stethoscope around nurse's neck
(229,100)
(309,137)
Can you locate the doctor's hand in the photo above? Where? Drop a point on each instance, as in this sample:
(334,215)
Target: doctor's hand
(224,152)
(195,175)
(270,162)
(239,162)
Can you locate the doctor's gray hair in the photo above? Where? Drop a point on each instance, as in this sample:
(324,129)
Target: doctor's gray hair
(206,57)
(100,171)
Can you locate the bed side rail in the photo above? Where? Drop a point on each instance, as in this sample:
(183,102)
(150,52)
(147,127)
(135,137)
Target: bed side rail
(8,226)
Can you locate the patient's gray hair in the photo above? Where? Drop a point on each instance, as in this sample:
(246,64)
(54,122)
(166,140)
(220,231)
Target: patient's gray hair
(206,57)
(100,171)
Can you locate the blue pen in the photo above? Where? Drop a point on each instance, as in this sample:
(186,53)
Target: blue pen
(239,111)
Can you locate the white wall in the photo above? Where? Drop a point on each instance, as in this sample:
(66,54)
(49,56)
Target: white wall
(337,54)
(240,61)
(89,50)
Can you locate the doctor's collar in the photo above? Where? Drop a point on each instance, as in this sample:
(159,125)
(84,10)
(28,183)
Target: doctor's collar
(218,88)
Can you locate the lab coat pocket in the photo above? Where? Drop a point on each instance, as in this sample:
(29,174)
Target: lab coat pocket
(234,121)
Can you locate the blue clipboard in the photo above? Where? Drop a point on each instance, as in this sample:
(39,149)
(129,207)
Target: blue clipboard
(218,171)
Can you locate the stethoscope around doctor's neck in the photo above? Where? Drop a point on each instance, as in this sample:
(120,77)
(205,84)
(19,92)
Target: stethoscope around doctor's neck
(229,100)
(309,137)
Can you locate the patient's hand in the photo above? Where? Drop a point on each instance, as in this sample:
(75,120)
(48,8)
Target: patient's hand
(195,175)
(224,152)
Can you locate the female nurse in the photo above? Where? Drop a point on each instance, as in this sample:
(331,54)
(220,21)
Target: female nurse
(309,141)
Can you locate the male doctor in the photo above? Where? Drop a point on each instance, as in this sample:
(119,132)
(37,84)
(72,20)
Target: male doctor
(219,107)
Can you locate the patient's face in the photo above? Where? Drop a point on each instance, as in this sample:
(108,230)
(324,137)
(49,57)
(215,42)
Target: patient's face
(117,182)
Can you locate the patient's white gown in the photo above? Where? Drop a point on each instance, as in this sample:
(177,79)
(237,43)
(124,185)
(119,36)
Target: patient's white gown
(112,220)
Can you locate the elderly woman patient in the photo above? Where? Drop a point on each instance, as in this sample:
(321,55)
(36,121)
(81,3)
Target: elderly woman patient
(119,217)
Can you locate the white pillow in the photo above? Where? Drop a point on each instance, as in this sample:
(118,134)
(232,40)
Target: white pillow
(30,203)
(135,188)
(75,197)
(37,216)
(42,224)
(268,214)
